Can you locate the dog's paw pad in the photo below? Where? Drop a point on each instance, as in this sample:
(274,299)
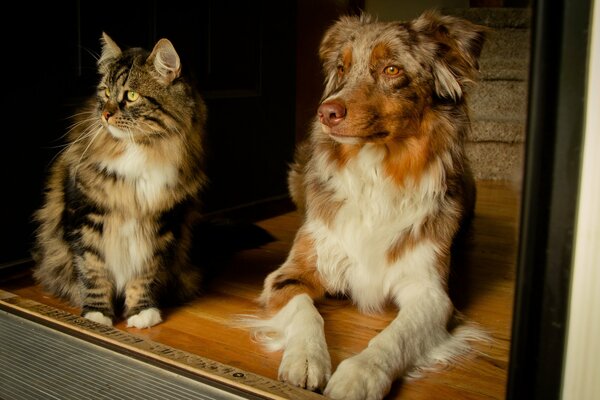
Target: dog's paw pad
(305,367)
(98,317)
(356,379)
(144,319)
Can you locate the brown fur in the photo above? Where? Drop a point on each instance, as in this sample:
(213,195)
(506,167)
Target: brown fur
(300,276)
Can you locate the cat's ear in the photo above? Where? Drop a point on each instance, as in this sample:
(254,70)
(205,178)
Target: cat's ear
(110,51)
(165,61)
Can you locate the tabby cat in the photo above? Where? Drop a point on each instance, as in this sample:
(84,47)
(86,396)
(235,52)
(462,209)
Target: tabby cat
(120,201)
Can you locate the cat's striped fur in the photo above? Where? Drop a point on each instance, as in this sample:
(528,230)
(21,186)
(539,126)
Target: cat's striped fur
(122,196)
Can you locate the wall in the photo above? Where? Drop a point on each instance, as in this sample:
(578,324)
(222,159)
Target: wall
(582,362)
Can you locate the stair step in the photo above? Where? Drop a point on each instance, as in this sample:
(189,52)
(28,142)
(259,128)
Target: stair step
(495,160)
(493,100)
(497,131)
(505,55)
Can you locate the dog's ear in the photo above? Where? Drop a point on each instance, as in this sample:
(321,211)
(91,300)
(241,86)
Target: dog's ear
(458,44)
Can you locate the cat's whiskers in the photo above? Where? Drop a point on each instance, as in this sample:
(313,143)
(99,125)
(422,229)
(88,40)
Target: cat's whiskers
(87,132)
(77,124)
(177,131)
(94,136)
(148,130)
(130,134)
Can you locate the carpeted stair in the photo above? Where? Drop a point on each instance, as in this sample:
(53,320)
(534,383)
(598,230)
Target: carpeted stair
(499,100)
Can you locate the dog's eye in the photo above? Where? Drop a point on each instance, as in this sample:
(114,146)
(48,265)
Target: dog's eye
(340,69)
(391,70)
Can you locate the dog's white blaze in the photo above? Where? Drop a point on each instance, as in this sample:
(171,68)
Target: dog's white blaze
(151,178)
(352,251)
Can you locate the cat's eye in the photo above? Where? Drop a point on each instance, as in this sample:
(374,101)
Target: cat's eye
(107,92)
(132,96)
(391,70)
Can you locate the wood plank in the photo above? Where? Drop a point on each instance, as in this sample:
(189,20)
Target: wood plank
(482,288)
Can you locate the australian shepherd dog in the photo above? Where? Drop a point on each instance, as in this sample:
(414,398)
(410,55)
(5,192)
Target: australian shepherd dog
(384,185)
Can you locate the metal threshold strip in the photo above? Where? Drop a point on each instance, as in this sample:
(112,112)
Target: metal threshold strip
(46,353)
(41,363)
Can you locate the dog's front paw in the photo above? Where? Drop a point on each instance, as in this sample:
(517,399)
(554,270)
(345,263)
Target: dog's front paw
(144,319)
(305,365)
(357,378)
(98,317)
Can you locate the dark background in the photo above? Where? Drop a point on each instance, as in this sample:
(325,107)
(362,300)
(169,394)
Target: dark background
(243,60)
(255,62)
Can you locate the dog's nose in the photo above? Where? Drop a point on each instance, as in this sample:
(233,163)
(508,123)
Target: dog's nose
(331,113)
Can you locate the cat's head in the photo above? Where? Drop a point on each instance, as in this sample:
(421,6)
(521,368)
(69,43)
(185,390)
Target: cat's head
(141,94)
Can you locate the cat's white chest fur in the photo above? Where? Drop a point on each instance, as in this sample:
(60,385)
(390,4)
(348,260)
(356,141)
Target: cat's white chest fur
(150,178)
(127,250)
(128,244)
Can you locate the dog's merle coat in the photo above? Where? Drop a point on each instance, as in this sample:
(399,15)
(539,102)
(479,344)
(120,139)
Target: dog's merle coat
(385,185)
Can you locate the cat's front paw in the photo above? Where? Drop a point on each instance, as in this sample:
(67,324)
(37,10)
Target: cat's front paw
(306,366)
(358,378)
(144,319)
(98,317)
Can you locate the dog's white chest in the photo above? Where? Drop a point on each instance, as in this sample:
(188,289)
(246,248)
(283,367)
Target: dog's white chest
(353,249)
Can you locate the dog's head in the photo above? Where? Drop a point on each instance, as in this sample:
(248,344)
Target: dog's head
(382,76)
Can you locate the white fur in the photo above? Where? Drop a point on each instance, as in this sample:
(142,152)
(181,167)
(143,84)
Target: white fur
(127,250)
(298,329)
(144,319)
(98,317)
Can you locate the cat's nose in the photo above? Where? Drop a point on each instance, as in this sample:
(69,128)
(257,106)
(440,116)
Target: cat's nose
(109,109)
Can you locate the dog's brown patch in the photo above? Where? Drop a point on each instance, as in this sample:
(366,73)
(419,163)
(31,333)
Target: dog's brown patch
(346,61)
(381,51)
(297,276)
(342,153)
(403,244)
(407,159)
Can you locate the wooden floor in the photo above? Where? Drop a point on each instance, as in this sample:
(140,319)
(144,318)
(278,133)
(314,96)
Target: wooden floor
(482,287)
